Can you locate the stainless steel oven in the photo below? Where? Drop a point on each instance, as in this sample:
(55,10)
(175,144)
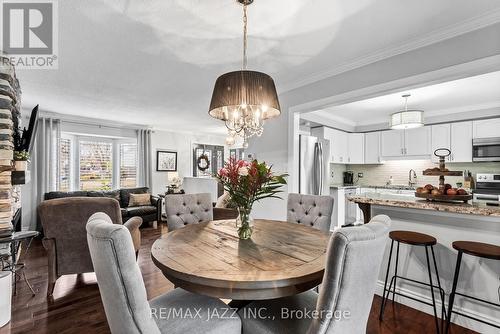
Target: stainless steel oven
(486,149)
(487,188)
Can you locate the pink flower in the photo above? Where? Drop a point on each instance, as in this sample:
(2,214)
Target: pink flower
(223,172)
(242,163)
(243,171)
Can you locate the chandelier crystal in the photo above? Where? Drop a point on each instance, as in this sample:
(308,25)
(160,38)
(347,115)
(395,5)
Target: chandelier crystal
(244,99)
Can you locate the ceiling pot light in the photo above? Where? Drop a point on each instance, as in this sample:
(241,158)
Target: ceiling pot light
(407,118)
(244,99)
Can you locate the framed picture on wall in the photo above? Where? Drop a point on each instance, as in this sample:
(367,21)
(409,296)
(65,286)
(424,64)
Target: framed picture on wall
(166,161)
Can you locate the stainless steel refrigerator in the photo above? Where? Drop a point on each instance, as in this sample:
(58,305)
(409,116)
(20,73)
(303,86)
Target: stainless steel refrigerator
(314,165)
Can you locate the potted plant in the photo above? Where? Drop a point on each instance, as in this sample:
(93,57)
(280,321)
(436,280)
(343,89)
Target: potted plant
(248,182)
(21,159)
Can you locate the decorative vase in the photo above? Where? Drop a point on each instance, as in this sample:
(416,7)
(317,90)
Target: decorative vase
(20,165)
(244,223)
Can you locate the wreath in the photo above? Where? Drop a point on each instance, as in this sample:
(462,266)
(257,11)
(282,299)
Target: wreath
(202,162)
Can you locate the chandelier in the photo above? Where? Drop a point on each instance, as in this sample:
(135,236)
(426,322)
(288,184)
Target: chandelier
(244,99)
(407,118)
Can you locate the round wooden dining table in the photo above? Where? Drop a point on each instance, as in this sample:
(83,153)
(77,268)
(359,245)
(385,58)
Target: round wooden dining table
(281,259)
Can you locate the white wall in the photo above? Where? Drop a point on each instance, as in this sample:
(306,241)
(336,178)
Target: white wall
(181,143)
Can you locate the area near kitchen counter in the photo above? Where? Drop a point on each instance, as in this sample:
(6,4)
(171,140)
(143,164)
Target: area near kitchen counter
(404,201)
(447,222)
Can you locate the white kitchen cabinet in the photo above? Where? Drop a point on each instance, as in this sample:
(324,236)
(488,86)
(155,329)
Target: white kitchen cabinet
(440,138)
(406,144)
(461,142)
(392,143)
(338,146)
(418,142)
(356,148)
(372,148)
(486,128)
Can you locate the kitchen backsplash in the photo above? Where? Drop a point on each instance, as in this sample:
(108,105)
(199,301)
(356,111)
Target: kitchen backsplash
(380,174)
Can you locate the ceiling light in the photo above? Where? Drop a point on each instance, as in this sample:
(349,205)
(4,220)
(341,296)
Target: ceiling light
(407,118)
(244,99)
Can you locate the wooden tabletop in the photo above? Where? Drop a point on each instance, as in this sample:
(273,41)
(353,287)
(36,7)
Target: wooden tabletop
(281,259)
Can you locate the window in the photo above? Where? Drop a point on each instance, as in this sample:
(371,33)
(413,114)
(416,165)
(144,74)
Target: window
(128,165)
(64,164)
(96,163)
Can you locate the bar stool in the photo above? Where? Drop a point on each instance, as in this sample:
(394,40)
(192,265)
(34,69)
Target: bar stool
(478,249)
(413,239)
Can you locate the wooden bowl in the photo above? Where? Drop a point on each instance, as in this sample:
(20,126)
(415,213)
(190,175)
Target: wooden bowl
(445,198)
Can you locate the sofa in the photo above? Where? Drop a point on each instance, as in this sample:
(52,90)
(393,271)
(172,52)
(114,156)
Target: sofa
(65,237)
(148,213)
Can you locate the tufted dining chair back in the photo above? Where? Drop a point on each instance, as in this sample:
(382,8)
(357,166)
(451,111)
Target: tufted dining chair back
(310,210)
(188,209)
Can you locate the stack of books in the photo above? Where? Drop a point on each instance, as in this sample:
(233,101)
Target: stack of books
(9,106)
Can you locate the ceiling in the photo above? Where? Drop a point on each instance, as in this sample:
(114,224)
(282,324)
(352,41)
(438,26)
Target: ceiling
(155,62)
(453,97)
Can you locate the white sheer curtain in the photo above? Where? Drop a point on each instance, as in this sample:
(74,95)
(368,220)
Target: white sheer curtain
(43,166)
(144,168)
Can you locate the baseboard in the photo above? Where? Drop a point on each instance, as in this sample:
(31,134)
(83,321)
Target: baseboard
(456,319)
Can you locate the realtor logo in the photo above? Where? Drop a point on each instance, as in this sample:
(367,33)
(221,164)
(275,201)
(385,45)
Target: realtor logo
(29,33)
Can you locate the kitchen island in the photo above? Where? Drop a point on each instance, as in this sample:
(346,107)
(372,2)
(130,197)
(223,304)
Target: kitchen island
(366,200)
(447,222)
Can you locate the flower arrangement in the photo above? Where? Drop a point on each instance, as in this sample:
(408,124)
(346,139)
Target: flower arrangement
(248,182)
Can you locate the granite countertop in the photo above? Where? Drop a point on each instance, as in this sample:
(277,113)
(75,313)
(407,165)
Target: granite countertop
(411,202)
(394,187)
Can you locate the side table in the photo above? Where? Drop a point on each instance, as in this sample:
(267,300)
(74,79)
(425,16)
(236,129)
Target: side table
(13,265)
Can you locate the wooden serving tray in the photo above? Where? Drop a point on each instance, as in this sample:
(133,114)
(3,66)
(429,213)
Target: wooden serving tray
(445,198)
(441,173)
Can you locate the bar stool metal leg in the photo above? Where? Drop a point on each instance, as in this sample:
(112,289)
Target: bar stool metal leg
(453,291)
(395,273)
(382,306)
(432,289)
(441,291)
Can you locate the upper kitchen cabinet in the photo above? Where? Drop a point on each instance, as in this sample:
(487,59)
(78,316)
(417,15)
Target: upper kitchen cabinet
(440,138)
(457,137)
(392,143)
(356,148)
(486,128)
(406,144)
(461,142)
(418,142)
(339,150)
(372,148)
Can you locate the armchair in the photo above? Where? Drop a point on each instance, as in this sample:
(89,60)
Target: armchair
(63,221)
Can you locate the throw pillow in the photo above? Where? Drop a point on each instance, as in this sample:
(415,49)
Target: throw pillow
(224,201)
(139,200)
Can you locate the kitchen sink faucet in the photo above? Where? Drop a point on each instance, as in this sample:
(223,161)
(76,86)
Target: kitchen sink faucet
(412,178)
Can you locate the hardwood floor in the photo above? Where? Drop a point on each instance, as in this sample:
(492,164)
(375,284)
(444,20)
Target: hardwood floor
(76,306)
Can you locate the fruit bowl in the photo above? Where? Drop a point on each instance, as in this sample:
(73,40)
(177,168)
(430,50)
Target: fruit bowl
(444,198)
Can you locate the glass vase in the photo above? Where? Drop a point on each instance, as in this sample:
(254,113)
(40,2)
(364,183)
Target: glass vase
(244,223)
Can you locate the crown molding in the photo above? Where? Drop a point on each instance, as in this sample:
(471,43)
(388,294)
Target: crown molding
(469,25)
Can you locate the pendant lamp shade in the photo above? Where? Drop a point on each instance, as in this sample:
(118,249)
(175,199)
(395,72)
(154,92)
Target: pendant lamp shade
(247,89)
(407,119)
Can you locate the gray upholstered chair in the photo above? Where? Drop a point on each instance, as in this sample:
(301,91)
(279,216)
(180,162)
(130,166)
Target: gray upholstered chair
(346,294)
(188,209)
(65,239)
(310,210)
(124,295)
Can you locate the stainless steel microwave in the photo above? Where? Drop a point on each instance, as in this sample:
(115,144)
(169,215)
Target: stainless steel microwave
(486,149)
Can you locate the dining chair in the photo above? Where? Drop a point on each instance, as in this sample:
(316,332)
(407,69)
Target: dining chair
(124,295)
(188,209)
(345,297)
(310,210)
